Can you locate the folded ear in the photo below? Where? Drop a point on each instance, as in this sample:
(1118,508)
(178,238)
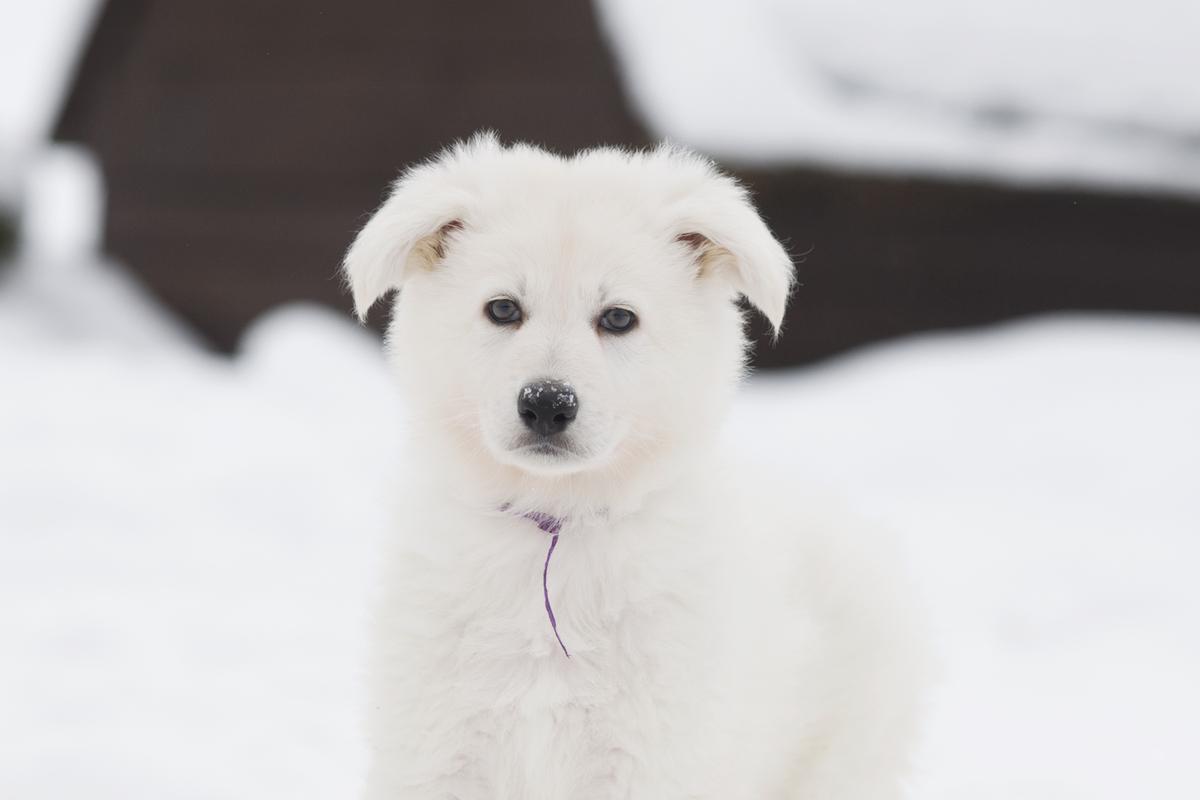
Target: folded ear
(407,233)
(724,234)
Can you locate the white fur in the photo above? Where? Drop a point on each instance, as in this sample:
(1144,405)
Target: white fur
(728,639)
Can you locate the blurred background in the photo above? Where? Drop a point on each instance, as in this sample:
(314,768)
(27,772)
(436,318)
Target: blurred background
(994,351)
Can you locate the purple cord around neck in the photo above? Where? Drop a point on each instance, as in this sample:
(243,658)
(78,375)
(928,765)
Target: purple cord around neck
(552,526)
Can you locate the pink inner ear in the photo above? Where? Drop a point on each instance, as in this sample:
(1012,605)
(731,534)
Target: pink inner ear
(696,241)
(439,245)
(707,255)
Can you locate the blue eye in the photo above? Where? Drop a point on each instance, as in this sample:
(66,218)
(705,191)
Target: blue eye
(618,320)
(503,311)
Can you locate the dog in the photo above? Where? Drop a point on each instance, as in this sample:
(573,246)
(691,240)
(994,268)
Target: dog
(584,596)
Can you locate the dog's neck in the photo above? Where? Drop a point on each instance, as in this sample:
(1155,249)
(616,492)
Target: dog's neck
(551,526)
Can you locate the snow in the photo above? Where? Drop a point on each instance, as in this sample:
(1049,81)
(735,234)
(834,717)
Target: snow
(60,291)
(1046,478)
(188,541)
(39,45)
(186,545)
(1089,92)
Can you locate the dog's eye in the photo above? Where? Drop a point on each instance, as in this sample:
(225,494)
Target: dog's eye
(617,319)
(503,311)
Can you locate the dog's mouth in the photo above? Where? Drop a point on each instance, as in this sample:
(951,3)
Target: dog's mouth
(557,454)
(547,448)
(546,454)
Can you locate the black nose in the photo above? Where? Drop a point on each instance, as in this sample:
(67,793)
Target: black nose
(547,407)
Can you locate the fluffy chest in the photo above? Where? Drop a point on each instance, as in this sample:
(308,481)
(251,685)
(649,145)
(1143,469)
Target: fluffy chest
(624,595)
(471,655)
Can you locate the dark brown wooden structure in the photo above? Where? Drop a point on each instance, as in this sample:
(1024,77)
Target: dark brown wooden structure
(7,233)
(244,142)
(891,256)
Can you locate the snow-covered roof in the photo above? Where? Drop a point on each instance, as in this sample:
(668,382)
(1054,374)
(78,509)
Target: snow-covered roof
(39,45)
(1026,91)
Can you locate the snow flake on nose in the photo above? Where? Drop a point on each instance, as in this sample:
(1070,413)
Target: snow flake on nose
(563,396)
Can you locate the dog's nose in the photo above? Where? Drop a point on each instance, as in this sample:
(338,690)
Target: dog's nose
(547,407)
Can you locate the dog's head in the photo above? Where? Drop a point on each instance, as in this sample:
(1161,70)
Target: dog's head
(563,315)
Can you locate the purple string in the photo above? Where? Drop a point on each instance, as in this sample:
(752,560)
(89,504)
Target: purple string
(552,526)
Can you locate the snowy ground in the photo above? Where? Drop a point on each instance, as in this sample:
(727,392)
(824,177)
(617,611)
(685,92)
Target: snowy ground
(186,541)
(186,545)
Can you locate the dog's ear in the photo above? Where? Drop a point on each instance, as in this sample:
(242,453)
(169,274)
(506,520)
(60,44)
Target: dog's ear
(407,233)
(725,236)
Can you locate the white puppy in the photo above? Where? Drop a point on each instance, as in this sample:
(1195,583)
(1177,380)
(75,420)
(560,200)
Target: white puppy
(567,336)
